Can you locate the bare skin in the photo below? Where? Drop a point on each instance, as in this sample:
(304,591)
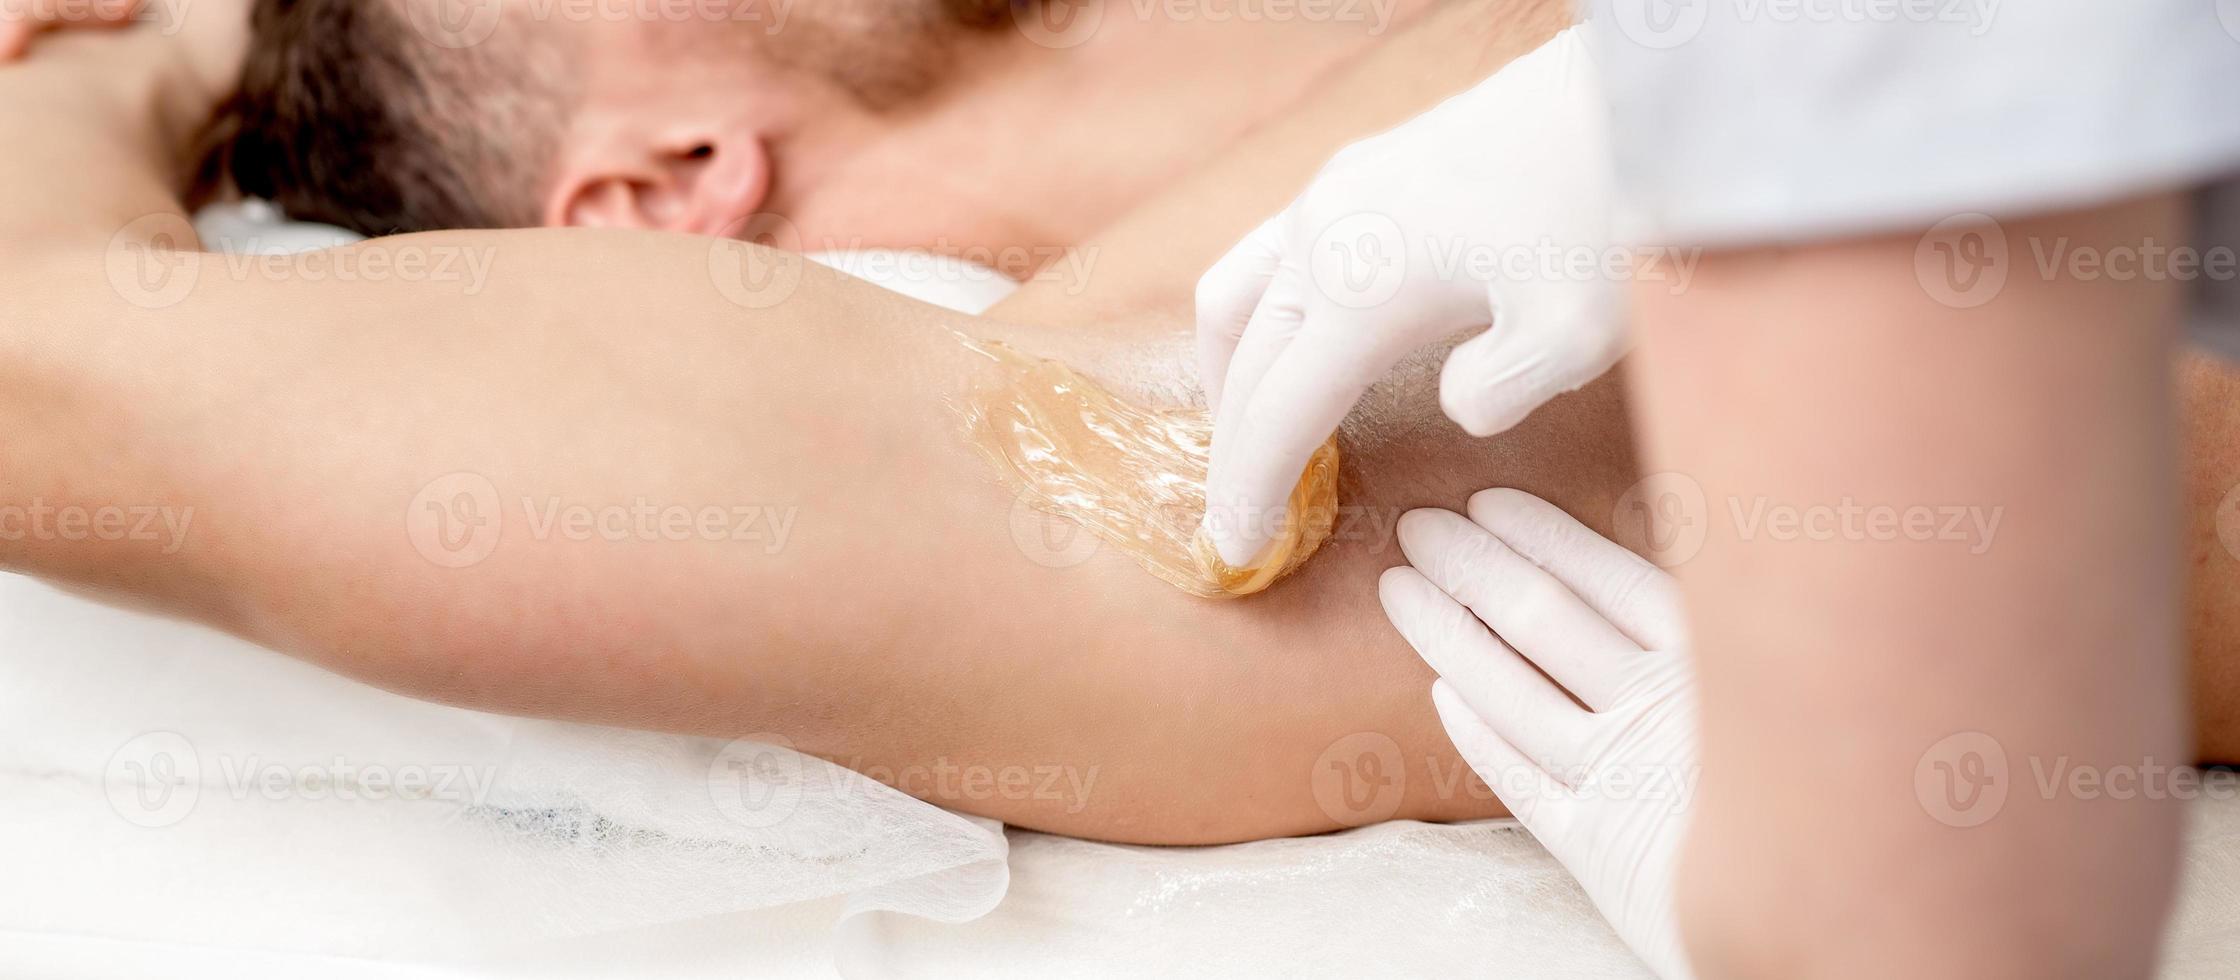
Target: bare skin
(2060,640)
(1117,118)
(1024,135)
(901,624)
(2062,643)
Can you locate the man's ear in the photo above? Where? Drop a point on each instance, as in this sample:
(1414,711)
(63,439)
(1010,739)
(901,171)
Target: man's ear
(697,183)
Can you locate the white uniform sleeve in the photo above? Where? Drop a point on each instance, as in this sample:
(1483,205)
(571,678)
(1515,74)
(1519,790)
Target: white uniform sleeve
(1738,122)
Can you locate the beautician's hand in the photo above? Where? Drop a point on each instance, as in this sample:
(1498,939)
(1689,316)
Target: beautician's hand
(1472,214)
(1605,787)
(20,20)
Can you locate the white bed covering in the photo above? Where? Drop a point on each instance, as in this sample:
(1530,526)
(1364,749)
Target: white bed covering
(241,885)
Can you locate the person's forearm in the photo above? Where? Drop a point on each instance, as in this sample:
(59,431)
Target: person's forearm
(1866,680)
(99,128)
(89,204)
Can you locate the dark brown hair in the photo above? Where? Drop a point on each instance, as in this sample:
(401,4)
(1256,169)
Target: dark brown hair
(346,115)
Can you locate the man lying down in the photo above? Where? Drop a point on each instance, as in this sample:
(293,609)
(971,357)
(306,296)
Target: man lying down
(901,623)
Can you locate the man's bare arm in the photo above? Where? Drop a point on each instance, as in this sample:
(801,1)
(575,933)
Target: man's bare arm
(896,621)
(102,123)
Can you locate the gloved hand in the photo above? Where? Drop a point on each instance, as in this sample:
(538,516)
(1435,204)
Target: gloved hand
(1478,212)
(1606,788)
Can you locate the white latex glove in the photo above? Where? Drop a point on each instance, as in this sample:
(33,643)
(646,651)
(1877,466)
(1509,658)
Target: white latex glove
(1606,788)
(1476,213)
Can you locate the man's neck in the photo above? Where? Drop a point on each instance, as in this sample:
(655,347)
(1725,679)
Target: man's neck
(1140,99)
